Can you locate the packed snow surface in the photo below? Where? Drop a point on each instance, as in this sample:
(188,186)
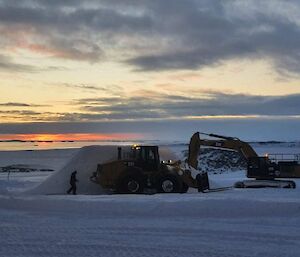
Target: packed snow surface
(235,222)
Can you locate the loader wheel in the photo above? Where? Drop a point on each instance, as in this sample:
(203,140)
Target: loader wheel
(131,185)
(169,184)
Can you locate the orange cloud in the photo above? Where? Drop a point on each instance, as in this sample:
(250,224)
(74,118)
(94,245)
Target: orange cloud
(42,49)
(39,49)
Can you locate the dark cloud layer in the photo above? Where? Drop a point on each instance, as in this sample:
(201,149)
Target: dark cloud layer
(204,35)
(161,35)
(165,106)
(214,104)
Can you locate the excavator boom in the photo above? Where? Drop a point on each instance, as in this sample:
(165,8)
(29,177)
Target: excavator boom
(219,136)
(231,143)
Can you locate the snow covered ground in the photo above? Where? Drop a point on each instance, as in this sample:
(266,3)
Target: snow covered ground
(236,222)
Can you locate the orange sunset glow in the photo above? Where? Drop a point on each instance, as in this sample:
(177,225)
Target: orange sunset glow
(71,137)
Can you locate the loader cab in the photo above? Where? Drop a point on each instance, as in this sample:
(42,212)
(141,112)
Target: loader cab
(146,157)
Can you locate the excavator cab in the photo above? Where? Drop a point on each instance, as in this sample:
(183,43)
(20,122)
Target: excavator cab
(261,168)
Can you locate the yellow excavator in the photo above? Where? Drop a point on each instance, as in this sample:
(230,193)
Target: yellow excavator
(264,170)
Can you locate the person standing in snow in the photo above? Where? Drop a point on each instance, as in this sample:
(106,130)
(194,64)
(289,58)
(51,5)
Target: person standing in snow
(73,181)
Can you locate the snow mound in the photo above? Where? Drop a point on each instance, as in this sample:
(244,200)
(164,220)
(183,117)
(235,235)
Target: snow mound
(85,163)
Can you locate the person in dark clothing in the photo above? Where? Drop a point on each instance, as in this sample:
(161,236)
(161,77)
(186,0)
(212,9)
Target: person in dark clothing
(73,181)
(203,183)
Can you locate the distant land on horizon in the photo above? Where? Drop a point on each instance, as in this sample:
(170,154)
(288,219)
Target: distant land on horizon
(158,140)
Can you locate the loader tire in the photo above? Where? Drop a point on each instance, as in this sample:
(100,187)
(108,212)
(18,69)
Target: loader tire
(169,184)
(131,184)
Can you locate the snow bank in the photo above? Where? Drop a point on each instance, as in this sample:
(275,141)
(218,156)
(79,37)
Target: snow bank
(85,163)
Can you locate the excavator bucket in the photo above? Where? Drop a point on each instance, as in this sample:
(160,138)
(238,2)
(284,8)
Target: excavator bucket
(203,182)
(194,148)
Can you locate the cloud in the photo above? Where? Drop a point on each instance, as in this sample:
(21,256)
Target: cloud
(151,105)
(7,64)
(90,87)
(16,115)
(79,50)
(15,104)
(159,35)
(163,106)
(205,35)
(11,104)
(73,31)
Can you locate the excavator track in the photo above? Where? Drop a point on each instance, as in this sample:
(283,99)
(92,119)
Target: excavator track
(265,184)
(219,189)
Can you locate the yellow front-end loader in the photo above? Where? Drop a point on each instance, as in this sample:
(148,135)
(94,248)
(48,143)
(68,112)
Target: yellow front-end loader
(142,170)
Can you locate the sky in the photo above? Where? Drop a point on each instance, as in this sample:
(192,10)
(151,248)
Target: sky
(149,69)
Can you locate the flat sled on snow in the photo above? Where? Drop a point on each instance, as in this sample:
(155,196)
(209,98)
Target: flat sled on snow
(204,187)
(260,183)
